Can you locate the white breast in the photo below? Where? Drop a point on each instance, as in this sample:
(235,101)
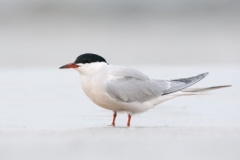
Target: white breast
(93,84)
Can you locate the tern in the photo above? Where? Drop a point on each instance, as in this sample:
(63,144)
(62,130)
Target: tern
(123,89)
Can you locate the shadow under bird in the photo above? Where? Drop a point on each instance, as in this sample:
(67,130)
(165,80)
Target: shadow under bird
(123,89)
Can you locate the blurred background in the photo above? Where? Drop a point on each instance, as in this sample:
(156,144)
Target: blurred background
(166,32)
(44,113)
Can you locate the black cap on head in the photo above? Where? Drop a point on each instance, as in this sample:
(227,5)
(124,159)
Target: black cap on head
(89,58)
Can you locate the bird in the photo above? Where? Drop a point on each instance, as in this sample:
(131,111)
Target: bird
(124,89)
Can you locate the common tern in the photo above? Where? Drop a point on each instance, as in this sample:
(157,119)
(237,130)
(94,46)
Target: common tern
(123,89)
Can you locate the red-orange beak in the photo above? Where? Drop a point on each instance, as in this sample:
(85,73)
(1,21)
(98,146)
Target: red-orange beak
(71,65)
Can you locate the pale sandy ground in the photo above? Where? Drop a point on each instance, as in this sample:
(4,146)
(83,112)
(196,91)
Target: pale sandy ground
(44,115)
(182,143)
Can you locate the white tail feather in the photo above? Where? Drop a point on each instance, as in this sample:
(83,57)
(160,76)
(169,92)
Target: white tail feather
(197,90)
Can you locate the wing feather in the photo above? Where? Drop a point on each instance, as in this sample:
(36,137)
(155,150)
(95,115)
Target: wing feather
(130,85)
(180,84)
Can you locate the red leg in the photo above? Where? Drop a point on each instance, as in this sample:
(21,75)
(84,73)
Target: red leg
(129,120)
(114,118)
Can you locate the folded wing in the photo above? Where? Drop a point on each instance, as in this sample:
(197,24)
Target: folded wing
(134,87)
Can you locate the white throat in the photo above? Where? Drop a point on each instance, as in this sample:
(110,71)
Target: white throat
(92,79)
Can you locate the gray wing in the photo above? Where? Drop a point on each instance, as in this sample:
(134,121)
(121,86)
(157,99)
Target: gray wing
(129,89)
(130,85)
(135,86)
